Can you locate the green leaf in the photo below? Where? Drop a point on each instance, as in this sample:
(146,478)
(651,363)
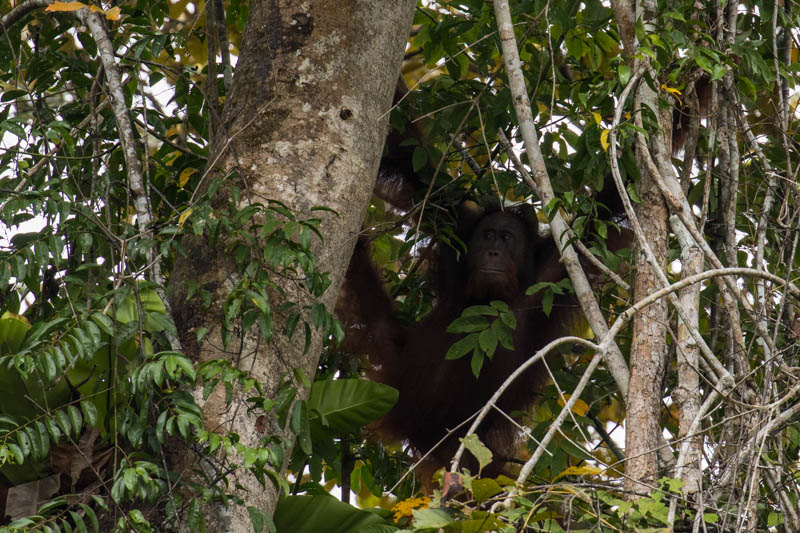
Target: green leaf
(468,324)
(13,128)
(344,406)
(16,451)
(155,370)
(462,347)
(47,365)
(75,418)
(624,73)
(52,429)
(324,514)
(487,340)
(161,425)
(63,421)
(477,310)
(77,519)
(24,442)
(509,319)
(130,479)
(12,94)
(260,520)
(300,426)
(536,287)
(21,524)
(184,426)
(476,363)
(504,334)
(547,302)
(633,193)
(478,449)
(89,512)
(12,333)
(485,488)
(500,306)
(291,324)
(94,334)
(419,159)
(301,378)
(431,519)
(89,412)
(39,430)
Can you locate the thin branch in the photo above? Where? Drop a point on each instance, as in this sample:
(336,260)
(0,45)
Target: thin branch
(141,201)
(719,369)
(491,403)
(51,153)
(20,11)
(727,384)
(596,263)
(522,107)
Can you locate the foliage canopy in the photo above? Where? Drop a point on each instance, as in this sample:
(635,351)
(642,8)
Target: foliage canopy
(96,389)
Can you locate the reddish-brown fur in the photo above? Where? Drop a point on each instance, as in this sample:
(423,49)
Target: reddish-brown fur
(437,394)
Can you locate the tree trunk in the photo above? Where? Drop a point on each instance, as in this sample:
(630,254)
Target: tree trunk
(304,124)
(649,344)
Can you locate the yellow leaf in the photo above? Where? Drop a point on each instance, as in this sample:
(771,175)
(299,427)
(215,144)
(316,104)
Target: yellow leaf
(543,109)
(184,216)
(673,91)
(580,408)
(65,6)
(185,175)
(614,412)
(597,118)
(585,470)
(604,140)
(367,500)
(111,14)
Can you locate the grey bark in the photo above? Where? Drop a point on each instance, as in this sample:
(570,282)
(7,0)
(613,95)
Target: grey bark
(304,123)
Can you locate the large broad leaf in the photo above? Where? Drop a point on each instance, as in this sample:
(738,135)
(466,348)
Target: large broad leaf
(344,406)
(151,304)
(12,332)
(325,514)
(15,393)
(23,397)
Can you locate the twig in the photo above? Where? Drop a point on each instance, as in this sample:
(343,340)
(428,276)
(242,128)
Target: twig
(575,241)
(507,383)
(51,153)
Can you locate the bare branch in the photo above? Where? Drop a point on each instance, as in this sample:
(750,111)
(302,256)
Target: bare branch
(507,383)
(522,107)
